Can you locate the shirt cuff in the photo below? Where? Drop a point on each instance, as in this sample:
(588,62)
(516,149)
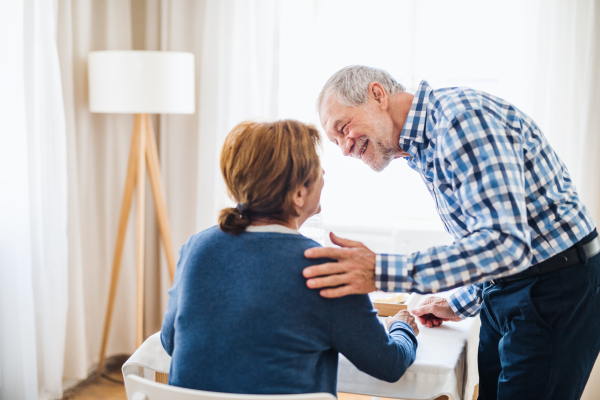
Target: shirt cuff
(464,302)
(378,271)
(455,306)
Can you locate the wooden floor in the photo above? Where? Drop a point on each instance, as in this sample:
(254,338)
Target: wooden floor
(99,389)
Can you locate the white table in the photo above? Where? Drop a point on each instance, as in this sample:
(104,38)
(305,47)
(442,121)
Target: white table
(446,364)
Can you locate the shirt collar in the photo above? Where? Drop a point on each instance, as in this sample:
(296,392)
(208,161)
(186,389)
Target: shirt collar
(414,126)
(271,228)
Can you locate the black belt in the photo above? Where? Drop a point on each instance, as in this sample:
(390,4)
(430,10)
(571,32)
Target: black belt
(569,257)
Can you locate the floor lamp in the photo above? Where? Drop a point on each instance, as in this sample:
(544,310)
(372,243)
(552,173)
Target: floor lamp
(140,83)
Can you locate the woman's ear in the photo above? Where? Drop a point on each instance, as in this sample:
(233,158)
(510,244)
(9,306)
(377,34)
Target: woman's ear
(300,197)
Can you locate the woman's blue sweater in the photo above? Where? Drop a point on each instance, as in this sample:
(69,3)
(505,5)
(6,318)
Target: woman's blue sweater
(241,320)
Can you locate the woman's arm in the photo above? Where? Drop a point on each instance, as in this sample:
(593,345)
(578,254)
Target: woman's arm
(167,332)
(358,335)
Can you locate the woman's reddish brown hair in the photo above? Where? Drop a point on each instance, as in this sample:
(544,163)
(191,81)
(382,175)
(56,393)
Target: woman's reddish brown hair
(263,164)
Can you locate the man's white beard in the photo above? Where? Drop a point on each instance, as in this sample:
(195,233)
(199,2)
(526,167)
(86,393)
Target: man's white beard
(384,156)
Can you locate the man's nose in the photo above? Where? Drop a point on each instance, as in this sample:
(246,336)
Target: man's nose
(346,145)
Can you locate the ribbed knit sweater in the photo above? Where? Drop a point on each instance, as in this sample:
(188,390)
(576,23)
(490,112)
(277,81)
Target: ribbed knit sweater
(242,320)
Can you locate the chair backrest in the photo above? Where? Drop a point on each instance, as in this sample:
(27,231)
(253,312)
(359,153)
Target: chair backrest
(139,388)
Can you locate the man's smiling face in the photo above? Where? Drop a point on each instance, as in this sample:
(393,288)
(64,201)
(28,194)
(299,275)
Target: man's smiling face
(364,132)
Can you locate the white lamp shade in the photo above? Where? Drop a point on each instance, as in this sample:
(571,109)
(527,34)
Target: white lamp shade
(141,82)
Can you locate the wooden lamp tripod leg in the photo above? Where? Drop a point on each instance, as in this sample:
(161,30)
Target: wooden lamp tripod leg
(159,197)
(125,209)
(142,143)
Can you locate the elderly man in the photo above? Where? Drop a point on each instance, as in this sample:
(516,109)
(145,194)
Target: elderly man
(525,250)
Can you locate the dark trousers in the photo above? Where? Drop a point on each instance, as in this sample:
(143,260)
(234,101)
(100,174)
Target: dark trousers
(540,336)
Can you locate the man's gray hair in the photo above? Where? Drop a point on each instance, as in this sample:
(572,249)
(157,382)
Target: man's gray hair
(350,85)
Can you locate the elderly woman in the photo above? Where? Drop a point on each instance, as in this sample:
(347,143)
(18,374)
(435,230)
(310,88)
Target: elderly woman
(240,317)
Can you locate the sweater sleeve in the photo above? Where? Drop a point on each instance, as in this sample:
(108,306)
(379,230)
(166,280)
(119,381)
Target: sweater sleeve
(167,332)
(358,335)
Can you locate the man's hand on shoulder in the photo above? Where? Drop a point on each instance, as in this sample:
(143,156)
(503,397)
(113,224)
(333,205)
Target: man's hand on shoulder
(353,273)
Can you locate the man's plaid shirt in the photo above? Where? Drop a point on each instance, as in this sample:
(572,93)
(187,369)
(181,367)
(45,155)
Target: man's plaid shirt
(499,188)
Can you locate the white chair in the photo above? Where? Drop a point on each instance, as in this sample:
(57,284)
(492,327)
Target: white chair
(151,360)
(139,388)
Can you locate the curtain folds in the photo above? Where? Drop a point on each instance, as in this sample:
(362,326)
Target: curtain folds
(238,81)
(98,150)
(33,216)
(566,89)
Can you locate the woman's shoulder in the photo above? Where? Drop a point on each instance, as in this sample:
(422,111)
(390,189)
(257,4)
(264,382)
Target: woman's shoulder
(215,233)
(270,243)
(203,238)
(211,233)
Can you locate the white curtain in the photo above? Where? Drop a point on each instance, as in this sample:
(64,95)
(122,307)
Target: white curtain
(567,89)
(98,148)
(235,47)
(239,81)
(33,204)
(551,70)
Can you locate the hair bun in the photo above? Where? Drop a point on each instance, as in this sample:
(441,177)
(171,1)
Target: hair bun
(231,220)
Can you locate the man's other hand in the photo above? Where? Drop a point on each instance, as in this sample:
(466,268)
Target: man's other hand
(404,316)
(434,311)
(353,273)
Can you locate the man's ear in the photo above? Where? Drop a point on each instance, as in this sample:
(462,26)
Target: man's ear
(378,94)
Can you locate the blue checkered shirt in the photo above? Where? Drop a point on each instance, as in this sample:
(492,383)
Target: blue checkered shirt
(499,188)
